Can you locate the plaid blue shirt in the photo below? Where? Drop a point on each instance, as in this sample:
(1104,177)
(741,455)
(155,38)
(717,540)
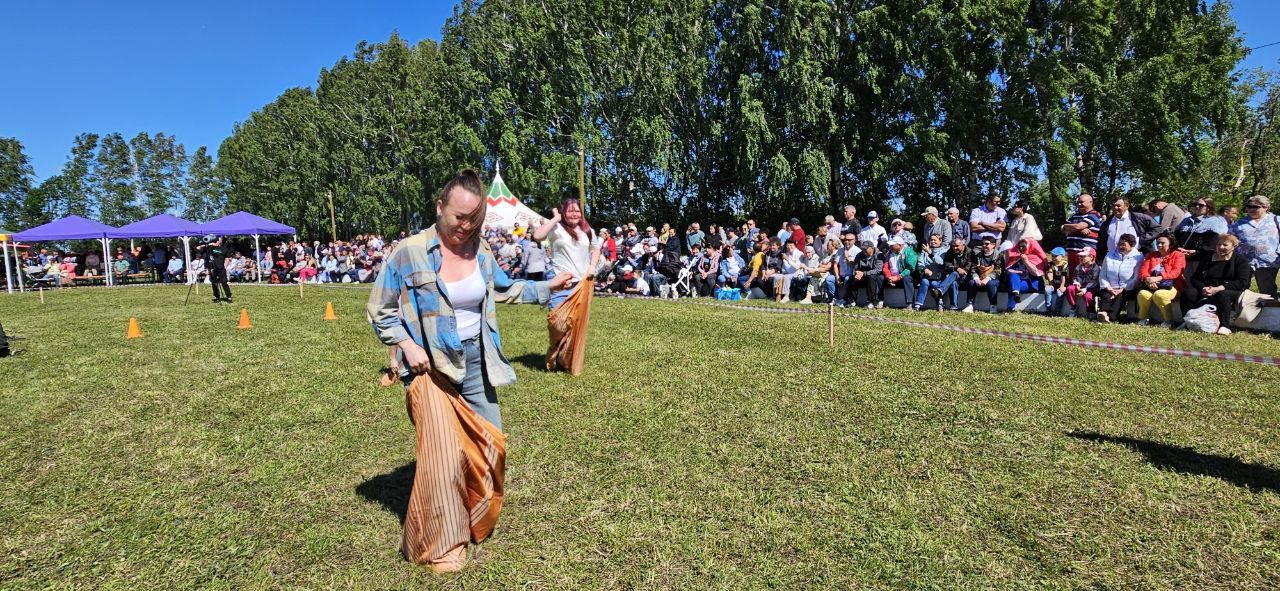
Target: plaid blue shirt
(408,302)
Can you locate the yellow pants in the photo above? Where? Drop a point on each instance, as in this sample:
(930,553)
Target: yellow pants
(1163,300)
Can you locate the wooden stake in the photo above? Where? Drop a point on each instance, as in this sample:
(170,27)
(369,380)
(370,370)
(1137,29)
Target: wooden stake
(831,325)
(41,294)
(299,290)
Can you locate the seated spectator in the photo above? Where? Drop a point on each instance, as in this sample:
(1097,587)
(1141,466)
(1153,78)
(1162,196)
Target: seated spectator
(1219,280)
(306,269)
(868,273)
(1024,270)
(789,267)
(196,270)
(730,267)
(704,266)
(236,267)
(1056,277)
(175,268)
(987,266)
(899,268)
(92,264)
(366,273)
(1118,277)
(839,284)
(957,263)
(813,273)
(121,266)
(1160,279)
(1084,282)
(931,260)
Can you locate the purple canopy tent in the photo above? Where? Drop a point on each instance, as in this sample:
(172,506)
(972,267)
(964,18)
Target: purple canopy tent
(163,226)
(72,227)
(242,223)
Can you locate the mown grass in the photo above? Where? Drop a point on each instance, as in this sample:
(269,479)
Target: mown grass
(702,448)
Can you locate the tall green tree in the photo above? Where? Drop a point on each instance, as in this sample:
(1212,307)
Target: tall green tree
(15,182)
(117,188)
(204,193)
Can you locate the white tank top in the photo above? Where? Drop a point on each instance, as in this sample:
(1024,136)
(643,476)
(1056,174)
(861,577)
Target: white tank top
(467,295)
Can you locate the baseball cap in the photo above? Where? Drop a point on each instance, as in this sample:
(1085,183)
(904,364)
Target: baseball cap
(871,215)
(795,221)
(1058,252)
(866,244)
(931,210)
(897,240)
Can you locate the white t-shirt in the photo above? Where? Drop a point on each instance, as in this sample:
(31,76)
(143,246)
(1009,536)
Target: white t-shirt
(467,295)
(573,256)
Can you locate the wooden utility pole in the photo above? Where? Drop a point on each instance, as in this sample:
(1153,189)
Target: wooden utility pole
(582,176)
(333,219)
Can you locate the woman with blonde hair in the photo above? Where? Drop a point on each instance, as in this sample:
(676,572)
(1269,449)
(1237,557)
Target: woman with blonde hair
(1219,279)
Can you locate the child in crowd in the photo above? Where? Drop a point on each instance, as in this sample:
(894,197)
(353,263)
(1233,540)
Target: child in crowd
(1084,281)
(1056,278)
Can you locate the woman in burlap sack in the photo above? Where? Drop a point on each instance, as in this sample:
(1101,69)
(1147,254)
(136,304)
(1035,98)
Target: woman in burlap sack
(575,255)
(433,304)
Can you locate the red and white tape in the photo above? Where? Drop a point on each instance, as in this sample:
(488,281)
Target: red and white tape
(1084,343)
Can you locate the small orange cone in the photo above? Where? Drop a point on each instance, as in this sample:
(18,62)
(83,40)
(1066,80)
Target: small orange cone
(328,311)
(244,319)
(134,331)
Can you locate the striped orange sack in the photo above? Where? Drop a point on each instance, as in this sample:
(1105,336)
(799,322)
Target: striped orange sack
(457,485)
(567,327)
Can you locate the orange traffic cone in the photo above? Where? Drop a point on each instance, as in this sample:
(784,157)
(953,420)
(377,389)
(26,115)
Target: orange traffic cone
(134,331)
(244,319)
(328,311)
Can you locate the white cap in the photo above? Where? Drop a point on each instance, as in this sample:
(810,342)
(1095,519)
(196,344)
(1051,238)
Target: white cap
(872,215)
(897,240)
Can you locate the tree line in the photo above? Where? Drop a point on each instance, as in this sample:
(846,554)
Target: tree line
(713,110)
(112,179)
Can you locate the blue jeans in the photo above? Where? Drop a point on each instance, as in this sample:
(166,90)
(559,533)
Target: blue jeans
(950,284)
(475,388)
(829,288)
(992,287)
(923,292)
(1021,285)
(908,286)
(558,297)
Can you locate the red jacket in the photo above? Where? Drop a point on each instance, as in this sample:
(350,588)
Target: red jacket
(1174,263)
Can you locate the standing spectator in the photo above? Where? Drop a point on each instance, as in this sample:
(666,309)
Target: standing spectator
(873,232)
(850,223)
(1023,224)
(1168,215)
(988,220)
(1259,234)
(898,229)
(1199,232)
(534,261)
(160,258)
(1219,280)
(1082,230)
(959,228)
(1160,279)
(797,234)
(1118,277)
(1123,221)
(1229,213)
(693,236)
(936,225)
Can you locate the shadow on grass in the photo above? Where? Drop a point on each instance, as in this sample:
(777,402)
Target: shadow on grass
(391,490)
(532,361)
(1185,460)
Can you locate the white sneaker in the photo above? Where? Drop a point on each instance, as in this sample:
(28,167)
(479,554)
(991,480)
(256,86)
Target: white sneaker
(967,309)
(871,306)
(1224,331)
(1144,322)
(1103,317)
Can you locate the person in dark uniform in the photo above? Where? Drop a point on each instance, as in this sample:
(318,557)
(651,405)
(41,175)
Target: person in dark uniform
(215,264)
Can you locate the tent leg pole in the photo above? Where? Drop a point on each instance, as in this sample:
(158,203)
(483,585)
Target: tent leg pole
(8,275)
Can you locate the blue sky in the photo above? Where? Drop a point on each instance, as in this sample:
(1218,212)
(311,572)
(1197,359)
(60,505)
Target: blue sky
(193,69)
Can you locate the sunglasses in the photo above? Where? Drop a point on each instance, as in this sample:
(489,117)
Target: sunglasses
(1199,205)
(1253,207)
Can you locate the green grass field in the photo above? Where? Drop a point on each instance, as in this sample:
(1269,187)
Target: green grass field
(702,448)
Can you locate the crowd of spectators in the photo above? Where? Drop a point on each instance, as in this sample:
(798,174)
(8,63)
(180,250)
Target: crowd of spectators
(1153,256)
